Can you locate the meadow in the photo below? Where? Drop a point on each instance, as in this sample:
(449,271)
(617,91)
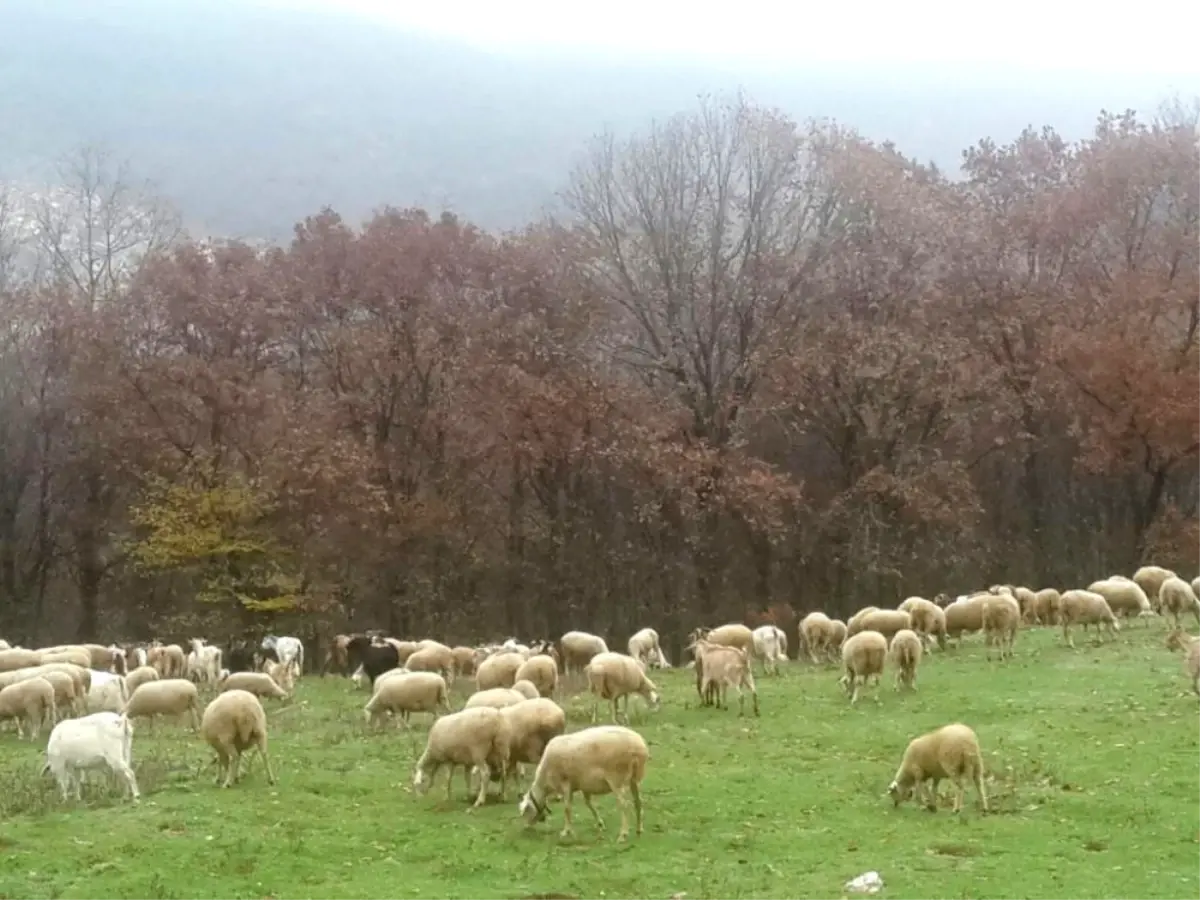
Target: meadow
(1093,778)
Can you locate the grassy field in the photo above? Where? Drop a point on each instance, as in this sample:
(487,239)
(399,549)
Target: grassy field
(1093,775)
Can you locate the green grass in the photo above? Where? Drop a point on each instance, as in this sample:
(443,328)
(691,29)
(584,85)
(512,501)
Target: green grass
(1093,776)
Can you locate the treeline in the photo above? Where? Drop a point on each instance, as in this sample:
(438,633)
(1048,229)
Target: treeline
(764,367)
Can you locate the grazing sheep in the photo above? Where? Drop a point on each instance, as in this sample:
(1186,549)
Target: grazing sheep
(233,723)
(100,739)
(431,658)
(612,676)
(1150,580)
(731,635)
(260,684)
(1124,597)
(541,671)
(964,616)
(108,692)
(1178,640)
(1176,597)
(526,689)
(816,631)
(906,650)
(885,621)
(166,697)
(578,648)
(863,656)
(1048,608)
(283,674)
(66,694)
(407,693)
(602,759)
(466,660)
(140,676)
(108,659)
(951,751)
(498,671)
(770,645)
(836,636)
(854,625)
(29,702)
(496,698)
(1001,619)
(928,620)
(1027,601)
(644,647)
(1085,608)
(721,667)
(531,725)
(169,660)
(476,739)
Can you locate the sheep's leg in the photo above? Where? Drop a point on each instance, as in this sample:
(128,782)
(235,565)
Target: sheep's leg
(637,795)
(1067,636)
(983,804)
(567,829)
(741,700)
(235,763)
(119,767)
(587,798)
(623,802)
(615,701)
(483,784)
(266,758)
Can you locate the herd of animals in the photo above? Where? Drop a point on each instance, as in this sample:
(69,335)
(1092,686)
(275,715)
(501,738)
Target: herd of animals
(92,693)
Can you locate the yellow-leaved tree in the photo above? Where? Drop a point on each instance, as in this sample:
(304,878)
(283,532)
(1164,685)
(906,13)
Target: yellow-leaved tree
(215,531)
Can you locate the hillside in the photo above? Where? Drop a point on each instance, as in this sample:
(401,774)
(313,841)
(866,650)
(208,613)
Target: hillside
(250,118)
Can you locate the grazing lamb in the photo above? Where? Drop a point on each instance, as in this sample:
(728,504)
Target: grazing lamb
(816,635)
(407,693)
(949,752)
(167,697)
(578,648)
(140,676)
(498,671)
(1176,598)
(1124,597)
(1048,608)
(611,676)
(531,725)
(476,739)
(720,667)
(863,656)
(90,742)
(496,698)
(541,671)
(886,621)
(644,647)
(233,723)
(1178,640)
(770,645)
(1085,608)
(906,650)
(1150,580)
(260,684)
(30,702)
(1001,619)
(928,620)
(603,759)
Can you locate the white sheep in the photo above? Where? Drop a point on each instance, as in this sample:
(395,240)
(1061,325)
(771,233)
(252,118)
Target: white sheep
(731,635)
(854,623)
(476,739)
(283,674)
(496,698)
(863,657)
(258,683)
(906,650)
(531,725)
(1178,640)
(770,645)
(1176,598)
(204,662)
(233,723)
(108,692)
(964,616)
(578,648)
(408,693)
(31,702)
(140,676)
(885,621)
(466,660)
(720,667)
(100,739)
(1150,579)
(1001,620)
(816,634)
(951,751)
(1085,608)
(433,657)
(612,676)
(928,620)
(645,647)
(603,759)
(526,689)
(499,670)
(169,660)
(1125,598)
(1048,608)
(542,671)
(290,652)
(66,696)
(166,697)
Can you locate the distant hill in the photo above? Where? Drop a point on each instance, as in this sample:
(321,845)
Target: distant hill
(250,118)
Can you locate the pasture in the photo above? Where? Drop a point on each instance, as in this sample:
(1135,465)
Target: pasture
(1093,777)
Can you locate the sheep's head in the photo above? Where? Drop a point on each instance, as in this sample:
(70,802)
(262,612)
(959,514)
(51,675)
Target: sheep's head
(653,699)
(420,782)
(899,792)
(532,809)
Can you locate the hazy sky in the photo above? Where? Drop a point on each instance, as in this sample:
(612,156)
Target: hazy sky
(1153,36)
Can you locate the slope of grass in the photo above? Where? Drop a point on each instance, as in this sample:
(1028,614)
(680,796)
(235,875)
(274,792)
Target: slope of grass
(1093,777)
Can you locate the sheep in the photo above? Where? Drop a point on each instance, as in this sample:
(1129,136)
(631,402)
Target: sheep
(578,648)
(964,616)
(476,739)
(108,692)
(1124,597)
(612,676)
(644,646)
(526,689)
(1048,608)
(1027,601)
(404,649)
(167,697)
(140,676)
(496,698)
(169,660)
(1086,608)
(1179,640)
(1176,597)
(928,620)
(863,655)
(951,751)
(109,659)
(731,635)
(854,625)
(204,662)
(66,695)
(406,693)
(498,671)
(336,657)
(99,739)
(1001,619)
(1150,580)
(74,654)
(906,651)
(836,637)
(17,658)
(885,621)
(531,725)
(289,651)
(29,702)
(232,723)
(815,634)
(466,660)
(439,659)
(541,671)
(260,684)
(721,666)
(283,674)
(372,659)
(770,645)
(602,759)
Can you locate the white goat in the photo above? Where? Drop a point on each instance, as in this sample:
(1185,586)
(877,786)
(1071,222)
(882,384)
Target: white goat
(89,742)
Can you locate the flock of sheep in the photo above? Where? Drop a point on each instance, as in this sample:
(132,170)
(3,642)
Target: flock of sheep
(511,720)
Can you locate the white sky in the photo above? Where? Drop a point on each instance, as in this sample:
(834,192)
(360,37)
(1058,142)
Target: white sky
(1149,37)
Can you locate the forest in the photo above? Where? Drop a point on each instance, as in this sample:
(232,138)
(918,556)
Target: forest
(758,367)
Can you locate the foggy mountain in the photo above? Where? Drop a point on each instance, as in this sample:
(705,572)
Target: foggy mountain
(250,118)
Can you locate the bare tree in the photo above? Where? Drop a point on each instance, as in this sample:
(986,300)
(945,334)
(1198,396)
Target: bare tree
(708,234)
